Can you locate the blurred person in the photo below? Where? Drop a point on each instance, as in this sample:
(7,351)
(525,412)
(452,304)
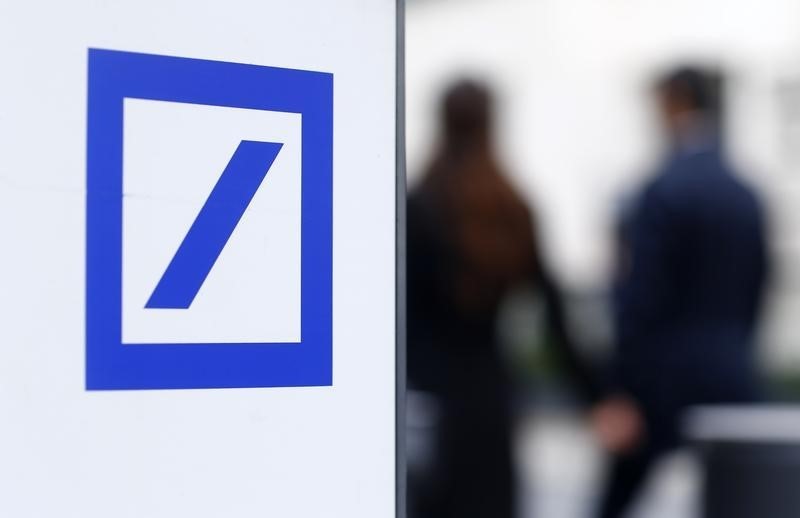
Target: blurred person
(687,301)
(471,240)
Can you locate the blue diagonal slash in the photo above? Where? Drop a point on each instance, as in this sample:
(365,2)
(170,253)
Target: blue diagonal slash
(214,225)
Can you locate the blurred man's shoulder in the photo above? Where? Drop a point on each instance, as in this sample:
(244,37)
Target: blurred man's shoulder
(700,181)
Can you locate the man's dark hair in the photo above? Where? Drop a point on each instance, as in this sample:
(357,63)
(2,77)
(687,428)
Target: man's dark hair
(700,88)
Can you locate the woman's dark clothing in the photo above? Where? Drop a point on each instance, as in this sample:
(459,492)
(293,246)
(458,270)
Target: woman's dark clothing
(470,241)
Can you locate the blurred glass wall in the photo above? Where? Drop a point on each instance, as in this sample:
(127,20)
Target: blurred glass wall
(577,131)
(576,126)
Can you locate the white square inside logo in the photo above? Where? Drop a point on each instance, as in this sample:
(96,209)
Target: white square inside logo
(174,153)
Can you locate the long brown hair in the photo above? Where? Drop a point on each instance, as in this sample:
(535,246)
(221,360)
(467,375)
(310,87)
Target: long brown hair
(488,225)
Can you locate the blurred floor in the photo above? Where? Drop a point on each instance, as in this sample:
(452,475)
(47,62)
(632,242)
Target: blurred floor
(561,469)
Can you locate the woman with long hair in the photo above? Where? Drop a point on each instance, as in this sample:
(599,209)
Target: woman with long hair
(471,241)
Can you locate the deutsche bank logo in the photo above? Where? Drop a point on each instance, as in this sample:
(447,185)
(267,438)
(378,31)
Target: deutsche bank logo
(209,224)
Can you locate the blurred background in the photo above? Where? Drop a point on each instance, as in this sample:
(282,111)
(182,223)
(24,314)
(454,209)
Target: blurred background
(577,132)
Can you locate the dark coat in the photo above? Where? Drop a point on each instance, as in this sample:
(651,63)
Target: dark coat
(688,304)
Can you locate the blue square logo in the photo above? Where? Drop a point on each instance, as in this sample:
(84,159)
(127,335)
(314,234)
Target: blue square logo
(140,334)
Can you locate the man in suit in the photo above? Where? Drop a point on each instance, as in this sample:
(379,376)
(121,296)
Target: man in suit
(688,293)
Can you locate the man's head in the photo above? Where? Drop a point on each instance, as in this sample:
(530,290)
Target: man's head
(686,95)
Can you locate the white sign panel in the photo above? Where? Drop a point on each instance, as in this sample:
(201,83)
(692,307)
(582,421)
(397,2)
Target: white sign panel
(198,203)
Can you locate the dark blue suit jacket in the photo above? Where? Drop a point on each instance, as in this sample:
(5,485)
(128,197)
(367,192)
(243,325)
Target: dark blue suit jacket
(688,303)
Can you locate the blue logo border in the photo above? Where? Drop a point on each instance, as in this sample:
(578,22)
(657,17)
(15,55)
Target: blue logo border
(113,365)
